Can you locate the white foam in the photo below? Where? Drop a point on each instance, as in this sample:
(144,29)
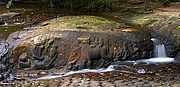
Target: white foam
(155,60)
(5,24)
(49,77)
(110,68)
(161,59)
(18,23)
(153,39)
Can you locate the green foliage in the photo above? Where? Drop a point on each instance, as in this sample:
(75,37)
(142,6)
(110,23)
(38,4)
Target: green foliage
(87,5)
(178,27)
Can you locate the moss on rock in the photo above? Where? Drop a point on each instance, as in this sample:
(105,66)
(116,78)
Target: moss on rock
(88,23)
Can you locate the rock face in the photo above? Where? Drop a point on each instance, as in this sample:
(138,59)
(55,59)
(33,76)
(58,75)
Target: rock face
(163,27)
(77,42)
(6,16)
(5,65)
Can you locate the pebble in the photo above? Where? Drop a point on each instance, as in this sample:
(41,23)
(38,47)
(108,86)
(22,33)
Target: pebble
(107,84)
(140,79)
(138,83)
(119,81)
(34,84)
(139,86)
(146,85)
(121,84)
(94,83)
(156,84)
(176,85)
(103,81)
(131,85)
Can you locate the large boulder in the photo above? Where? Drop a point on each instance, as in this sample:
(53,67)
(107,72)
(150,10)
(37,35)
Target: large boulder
(78,42)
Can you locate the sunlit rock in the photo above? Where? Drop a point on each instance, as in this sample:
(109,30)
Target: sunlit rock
(78,42)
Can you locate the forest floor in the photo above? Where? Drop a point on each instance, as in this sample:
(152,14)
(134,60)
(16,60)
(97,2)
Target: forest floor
(172,10)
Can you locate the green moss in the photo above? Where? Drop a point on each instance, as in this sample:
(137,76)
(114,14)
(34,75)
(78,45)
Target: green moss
(87,5)
(91,22)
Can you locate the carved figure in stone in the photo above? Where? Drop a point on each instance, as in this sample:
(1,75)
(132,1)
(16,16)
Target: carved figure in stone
(98,52)
(73,57)
(44,55)
(5,65)
(3,48)
(123,53)
(83,55)
(24,61)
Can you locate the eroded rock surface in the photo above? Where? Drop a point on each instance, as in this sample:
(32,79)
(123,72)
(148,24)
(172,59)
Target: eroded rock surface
(164,28)
(163,23)
(78,42)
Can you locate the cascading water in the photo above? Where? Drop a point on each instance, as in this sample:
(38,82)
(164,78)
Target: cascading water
(160,54)
(160,50)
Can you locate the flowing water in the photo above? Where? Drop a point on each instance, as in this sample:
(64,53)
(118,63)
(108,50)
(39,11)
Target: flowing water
(122,71)
(160,50)
(138,67)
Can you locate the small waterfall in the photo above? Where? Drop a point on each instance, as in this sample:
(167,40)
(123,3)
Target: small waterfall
(160,50)
(160,54)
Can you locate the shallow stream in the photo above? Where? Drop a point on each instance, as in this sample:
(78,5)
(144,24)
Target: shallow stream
(148,73)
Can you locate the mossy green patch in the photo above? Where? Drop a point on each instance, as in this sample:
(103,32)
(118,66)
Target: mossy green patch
(93,23)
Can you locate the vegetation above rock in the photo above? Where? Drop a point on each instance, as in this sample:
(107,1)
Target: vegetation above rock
(92,5)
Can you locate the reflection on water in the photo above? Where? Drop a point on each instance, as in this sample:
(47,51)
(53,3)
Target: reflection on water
(27,15)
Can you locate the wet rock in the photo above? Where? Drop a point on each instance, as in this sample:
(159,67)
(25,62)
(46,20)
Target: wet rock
(2,2)
(62,44)
(178,57)
(162,27)
(24,61)
(146,85)
(1,77)
(141,71)
(5,16)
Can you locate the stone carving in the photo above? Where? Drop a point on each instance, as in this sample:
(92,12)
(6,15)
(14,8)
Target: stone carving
(84,53)
(5,65)
(3,48)
(44,55)
(74,49)
(46,61)
(24,61)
